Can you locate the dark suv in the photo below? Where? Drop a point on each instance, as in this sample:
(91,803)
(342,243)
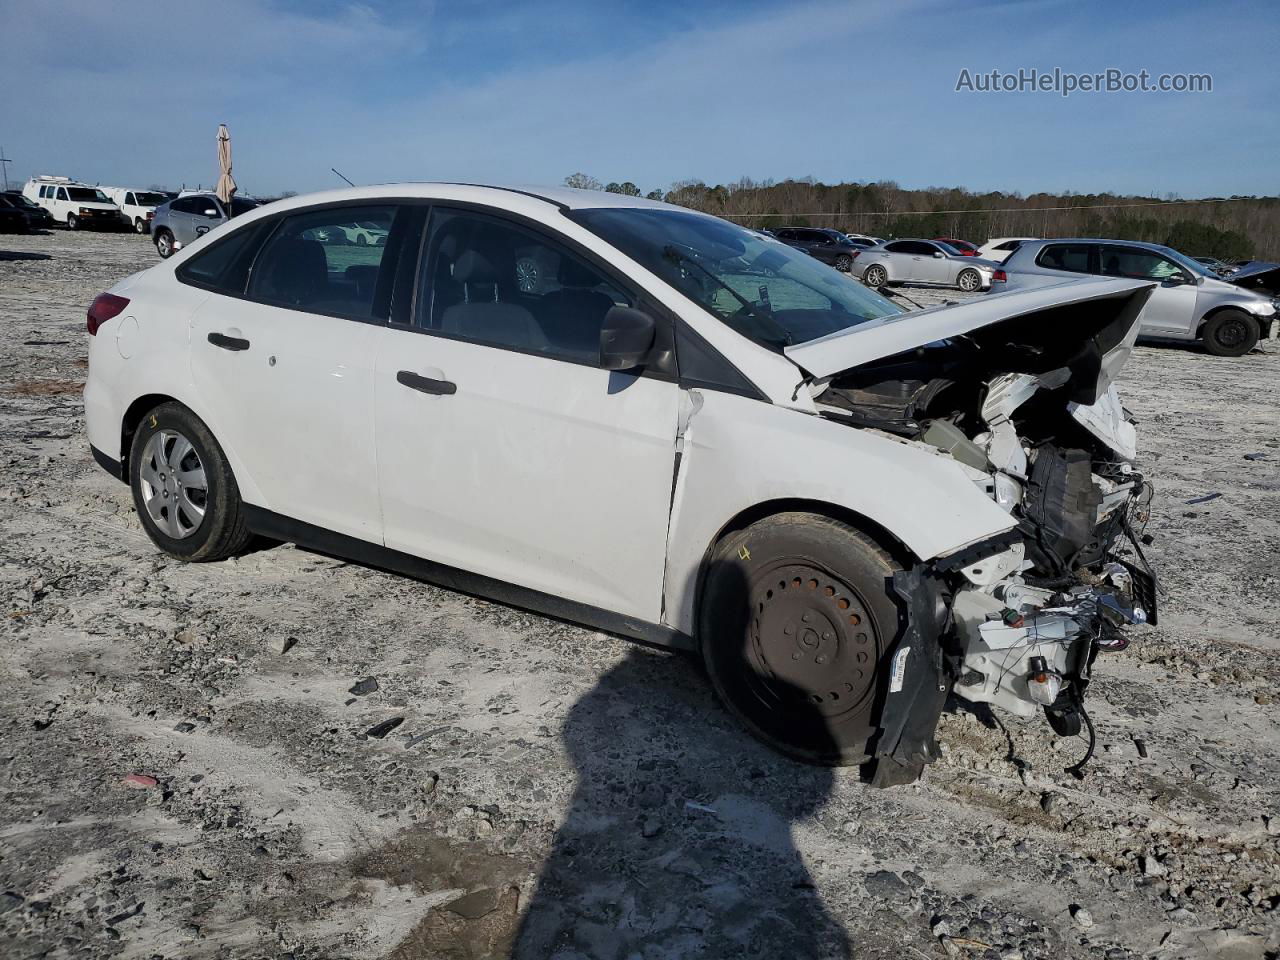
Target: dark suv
(829,246)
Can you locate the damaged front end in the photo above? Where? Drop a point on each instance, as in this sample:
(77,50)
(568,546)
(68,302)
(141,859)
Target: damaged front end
(1026,406)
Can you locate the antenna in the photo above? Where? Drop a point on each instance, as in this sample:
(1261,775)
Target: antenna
(4,169)
(335,170)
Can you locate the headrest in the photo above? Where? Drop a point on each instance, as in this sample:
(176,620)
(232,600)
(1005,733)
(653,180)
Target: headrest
(472,267)
(572,273)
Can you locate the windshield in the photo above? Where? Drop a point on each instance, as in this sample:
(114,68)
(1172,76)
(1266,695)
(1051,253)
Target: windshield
(954,251)
(150,199)
(767,291)
(86,195)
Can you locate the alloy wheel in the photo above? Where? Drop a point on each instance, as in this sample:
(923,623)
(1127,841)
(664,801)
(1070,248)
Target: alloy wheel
(175,489)
(969,281)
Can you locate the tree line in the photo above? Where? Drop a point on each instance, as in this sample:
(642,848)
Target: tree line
(1229,228)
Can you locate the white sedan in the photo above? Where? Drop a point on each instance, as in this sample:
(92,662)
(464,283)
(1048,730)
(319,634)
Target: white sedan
(690,435)
(922,261)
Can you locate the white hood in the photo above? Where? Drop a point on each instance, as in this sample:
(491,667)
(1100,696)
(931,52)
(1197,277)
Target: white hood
(892,335)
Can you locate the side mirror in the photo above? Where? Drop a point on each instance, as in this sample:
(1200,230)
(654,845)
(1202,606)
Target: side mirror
(937,254)
(210,212)
(626,338)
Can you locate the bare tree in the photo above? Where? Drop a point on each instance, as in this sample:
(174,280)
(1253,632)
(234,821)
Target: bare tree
(582,181)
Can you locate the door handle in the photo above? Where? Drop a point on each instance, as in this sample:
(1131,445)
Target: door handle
(228,343)
(415,381)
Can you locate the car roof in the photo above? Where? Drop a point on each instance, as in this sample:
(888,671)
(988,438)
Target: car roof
(1155,247)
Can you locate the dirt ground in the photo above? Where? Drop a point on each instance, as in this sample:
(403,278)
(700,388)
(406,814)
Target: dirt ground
(191,766)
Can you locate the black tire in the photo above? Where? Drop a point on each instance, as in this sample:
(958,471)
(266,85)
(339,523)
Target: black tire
(139,225)
(969,280)
(1230,333)
(222,532)
(844,263)
(361,240)
(73,222)
(795,623)
(876,276)
(164,243)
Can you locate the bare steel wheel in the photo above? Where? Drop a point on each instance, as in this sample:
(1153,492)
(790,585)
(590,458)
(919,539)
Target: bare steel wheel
(175,489)
(183,487)
(876,276)
(1230,333)
(969,280)
(796,621)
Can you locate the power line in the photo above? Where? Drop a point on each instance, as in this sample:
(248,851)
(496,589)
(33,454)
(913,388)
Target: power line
(926,213)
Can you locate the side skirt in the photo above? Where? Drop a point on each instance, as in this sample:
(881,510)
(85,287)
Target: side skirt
(278,527)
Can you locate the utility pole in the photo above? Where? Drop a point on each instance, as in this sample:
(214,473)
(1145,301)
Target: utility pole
(4,169)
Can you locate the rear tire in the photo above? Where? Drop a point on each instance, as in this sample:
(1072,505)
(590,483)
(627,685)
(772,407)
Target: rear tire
(795,622)
(876,276)
(164,244)
(183,487)
(1230,333)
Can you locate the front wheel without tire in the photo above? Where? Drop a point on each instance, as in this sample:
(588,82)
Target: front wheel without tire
(1230,333)
(795,623)
(183,487)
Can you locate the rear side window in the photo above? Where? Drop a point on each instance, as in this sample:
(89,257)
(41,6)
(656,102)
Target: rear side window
(1065,256)
(326,261)
(493,282)
(223,267)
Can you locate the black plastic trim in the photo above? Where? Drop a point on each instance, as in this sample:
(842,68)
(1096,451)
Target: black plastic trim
(279,527)
(978,551)
(108,463)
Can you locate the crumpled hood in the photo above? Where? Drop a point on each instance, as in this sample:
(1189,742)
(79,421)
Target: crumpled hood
(1088,325)
(1259,275)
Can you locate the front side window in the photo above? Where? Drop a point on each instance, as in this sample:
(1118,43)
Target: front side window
(311,263)
(146,199)
(493,282)
(62,193)
(768,292)
(1065,256)
(87,195)
(1138,263)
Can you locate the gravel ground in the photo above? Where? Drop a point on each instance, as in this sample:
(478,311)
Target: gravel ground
(192,762)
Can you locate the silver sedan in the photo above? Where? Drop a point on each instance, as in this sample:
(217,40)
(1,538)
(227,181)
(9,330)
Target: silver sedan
(922,261)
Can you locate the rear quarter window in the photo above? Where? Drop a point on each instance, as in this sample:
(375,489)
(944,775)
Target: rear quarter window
(223,266)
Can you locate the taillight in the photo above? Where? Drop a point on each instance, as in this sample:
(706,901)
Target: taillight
(855,254)
(104,307)
(999,276)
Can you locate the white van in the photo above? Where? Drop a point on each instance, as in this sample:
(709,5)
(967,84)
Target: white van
(77,205)
(137,207)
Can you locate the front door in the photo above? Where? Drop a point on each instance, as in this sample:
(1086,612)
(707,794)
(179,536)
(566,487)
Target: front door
(286,373)
(503,448)
(1171,311)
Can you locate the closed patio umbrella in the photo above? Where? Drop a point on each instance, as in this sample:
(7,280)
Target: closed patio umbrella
(226,183)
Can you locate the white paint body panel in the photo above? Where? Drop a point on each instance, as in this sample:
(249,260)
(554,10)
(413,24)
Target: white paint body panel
(552,475)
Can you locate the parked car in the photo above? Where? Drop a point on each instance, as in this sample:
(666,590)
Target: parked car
(181,220)
(37,216)
(830,246)
(699,438)
(999,248)
(12,218)
(137,207)
(76,205)
(862,240)
(963,247)
(1215,265)
(922,261)
(1190,302)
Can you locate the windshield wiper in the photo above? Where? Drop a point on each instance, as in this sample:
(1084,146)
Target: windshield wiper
(671,253)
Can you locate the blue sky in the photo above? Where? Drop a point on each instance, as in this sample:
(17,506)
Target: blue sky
(131,91)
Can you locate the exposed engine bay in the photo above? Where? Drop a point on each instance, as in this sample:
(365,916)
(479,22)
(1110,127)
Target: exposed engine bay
(1031,416)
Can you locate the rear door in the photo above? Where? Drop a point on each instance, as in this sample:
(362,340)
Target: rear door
(503,447)
(285,368)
